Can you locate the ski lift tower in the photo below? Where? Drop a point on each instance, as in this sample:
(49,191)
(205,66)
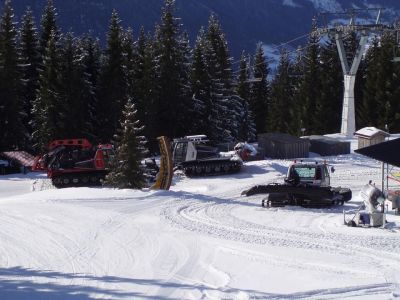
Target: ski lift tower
(339,32)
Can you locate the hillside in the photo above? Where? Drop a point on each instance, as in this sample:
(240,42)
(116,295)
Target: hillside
(245,21)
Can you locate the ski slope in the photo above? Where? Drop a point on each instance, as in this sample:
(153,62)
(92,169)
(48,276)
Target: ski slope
(200,240)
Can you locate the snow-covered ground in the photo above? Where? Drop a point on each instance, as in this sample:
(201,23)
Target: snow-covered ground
(200,240)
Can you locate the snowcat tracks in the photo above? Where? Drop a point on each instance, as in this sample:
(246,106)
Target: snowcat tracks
(210,168)
(303,195)
(78,179)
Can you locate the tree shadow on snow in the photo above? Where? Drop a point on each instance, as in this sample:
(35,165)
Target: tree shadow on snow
(18,283)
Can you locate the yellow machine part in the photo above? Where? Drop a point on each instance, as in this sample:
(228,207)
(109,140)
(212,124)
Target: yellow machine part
(165,174)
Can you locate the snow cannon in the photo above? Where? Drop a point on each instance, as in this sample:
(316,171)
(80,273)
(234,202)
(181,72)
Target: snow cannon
(372,197)
(371,212)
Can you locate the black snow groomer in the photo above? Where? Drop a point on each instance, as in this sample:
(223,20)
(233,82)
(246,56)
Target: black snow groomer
(196,157)
(306,184)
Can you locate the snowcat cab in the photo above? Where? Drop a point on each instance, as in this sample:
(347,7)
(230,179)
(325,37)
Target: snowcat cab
(309,173)
(195,156)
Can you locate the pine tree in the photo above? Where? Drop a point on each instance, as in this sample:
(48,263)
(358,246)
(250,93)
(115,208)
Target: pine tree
(129,63)
(280,107)
(260,90)
(48,25)
(296,74)
(145,87)
(329,108)
(310,88)
(381,92)
(226,104)
(48,110)
(369,111)
(112,87)
(11,106)
(200,83)
(130,150)
(172,72)
(217,40)
(76,91)
(90,52)
(247,127)
(30,60)
(217,98)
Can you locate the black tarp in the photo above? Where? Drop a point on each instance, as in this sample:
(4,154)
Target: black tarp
(387,152)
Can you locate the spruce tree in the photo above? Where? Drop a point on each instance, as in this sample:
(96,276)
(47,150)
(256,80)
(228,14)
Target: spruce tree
(260,90)
(112,87)
(76,91)
(329,108)
(48,25)
(247,127)
(280,107)
(90,53)
(200,83)
(129,63)
(217,99)
(48,110)
(310,88)
(172,72)
(226,103)
(380,96)
(11,105)
(130,150)
(30,61)
(145,87)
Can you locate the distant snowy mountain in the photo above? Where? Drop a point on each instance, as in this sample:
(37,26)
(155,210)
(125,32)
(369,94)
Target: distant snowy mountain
(245,22)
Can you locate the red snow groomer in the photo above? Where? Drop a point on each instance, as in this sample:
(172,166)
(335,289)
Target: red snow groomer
(75,162)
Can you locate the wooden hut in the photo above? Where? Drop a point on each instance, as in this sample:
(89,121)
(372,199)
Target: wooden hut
(327,146)
(368,136)
(283,146)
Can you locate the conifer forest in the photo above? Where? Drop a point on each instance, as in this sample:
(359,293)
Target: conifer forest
(56,85)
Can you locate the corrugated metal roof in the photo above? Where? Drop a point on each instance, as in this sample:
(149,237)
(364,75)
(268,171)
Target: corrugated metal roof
(22,157)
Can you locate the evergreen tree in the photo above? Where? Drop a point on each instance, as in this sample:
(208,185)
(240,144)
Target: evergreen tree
(296,74)
(112,87)
(30,60)
(329,108)
(227,104)
(172,72)
(217,40)
(76,91)
(48,111)
(130,150)
(260,90)
(90,51)
(200,83)
(11,106)
(48,25)
(381,92)
(145,87)
(247,127)
(310,88)
(217,98)
(280,107)
(129,63)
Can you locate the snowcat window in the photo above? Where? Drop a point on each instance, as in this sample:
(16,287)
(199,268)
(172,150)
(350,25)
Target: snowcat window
(180,152)
(305,172)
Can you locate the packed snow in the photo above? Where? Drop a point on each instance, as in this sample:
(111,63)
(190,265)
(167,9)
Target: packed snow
(199,240)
